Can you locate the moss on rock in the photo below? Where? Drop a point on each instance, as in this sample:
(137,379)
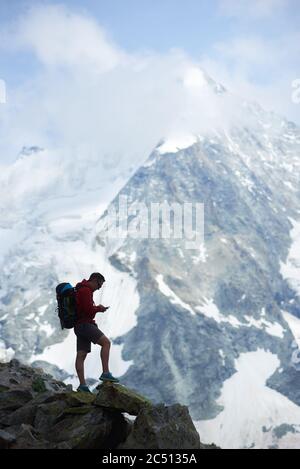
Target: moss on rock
(38,385)
(78,410)
(75,399)
(116,396)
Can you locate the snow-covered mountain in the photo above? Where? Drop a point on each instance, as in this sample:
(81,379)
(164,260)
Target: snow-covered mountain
(48,205)
(216,327)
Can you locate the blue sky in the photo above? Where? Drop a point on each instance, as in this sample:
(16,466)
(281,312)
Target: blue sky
(250,46)
(159,25)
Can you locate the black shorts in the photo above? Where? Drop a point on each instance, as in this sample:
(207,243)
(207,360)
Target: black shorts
(86,334)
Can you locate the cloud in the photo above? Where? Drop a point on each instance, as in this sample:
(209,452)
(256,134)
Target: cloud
(60,37)
(259,69)
(92,102)
(255,9)
(257,55)
(95,100)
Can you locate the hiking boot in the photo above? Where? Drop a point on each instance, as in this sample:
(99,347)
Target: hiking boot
(83,388)
(108,377)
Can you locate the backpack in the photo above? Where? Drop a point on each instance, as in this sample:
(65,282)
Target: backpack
(66,305)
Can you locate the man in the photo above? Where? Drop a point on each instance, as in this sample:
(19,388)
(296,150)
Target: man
(87,330)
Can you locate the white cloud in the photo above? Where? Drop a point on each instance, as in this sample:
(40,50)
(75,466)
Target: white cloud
(259,69)
(251,8)
(2,92)
(94,99)
(60,37)
(279,52)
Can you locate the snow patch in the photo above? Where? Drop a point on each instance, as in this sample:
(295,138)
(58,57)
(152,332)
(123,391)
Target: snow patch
(5,354)
(47,328)
(250,406)
(274,329)
(177,143)
(291,269)
(194,79)
(294,325)
(119,292)
(202,256)
(222,355)
(163,287)
(42,309)
(211,311)
(290,186)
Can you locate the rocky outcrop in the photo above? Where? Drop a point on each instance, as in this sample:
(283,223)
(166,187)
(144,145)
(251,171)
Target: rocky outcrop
(37,411)
(166,427)
(121,398)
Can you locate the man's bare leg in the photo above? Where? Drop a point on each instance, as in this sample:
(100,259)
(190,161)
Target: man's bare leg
(79,365)
(104,342)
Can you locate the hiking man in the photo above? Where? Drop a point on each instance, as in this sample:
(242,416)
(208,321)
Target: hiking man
(87,330)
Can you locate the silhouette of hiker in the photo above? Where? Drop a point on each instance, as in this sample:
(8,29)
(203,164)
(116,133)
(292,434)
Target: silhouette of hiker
(87,330)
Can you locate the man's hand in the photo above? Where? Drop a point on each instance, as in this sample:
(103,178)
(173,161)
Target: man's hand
(103,308)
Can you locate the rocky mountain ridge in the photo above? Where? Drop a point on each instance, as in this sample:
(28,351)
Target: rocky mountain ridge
(38,412)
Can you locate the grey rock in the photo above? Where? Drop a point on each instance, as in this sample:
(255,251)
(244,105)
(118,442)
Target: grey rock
(161,427)
(95,428)
(70,420)
(51,369)
(283,430)
(47,414)
(25,414)
(12,400)
(28,438)
(16,376)
(118,397)
(6,439)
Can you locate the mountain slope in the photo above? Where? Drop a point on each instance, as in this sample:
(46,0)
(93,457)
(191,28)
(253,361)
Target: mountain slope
(48,208)
(200,310)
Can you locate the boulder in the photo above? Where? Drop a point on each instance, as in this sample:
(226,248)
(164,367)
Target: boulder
(13,399)
(161,427)
(37,412)
(75,399)
(89,427)
(16,376)
(25,414)
(118,397)
(47,414)
(73,419)
(6,439)
(28,438)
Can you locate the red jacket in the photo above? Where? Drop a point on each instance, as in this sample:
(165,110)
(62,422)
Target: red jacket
(86,308)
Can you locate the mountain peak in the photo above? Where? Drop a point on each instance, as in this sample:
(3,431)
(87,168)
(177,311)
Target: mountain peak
(28,151)
(195,79)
